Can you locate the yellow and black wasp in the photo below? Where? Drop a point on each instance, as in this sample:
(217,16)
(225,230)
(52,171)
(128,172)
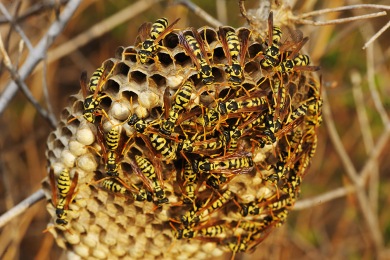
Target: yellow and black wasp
(255,103)
(95,80)
(66,187)
(194,47)
(191,218)
(181,101)
(190,182)
(92,102)
(117,185)
(272,53)
(235,48)
(294,61)
(147,168)
(199,232)
(166,147)
(151,35)
(113,148)
(239,162)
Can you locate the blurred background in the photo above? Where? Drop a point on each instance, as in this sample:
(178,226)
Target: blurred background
(342,212)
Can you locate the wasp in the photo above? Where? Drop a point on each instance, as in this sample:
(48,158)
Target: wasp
(190,179)
(207,147)
(234,47)
(257,226)
(66,188)
(242,104)
(234,135)
(156,32)
(199,214)
(182,100)
(91,102)
(296,61)
(112,149)
(149,171)
(116,185)
(211,231)
(215,181)
(95,79)
(165,147)
(139,124)
(272,53)
(194,47)
(240,162)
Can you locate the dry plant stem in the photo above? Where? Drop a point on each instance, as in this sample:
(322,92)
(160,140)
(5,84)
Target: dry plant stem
(10,19)
(16,77)
(221,11)
(372,86)
(368,140)
(200,12)
(21,207)
(46,90)
(375,36)
(99,29)
(348,165)
(368,214)
(35,9)
(341,20)
(325,197)
(344,8)
(376,152)
(39,52)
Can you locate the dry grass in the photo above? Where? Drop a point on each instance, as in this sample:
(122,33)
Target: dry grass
(343,209)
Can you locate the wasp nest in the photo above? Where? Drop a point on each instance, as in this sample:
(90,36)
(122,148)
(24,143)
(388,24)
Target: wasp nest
(188,145)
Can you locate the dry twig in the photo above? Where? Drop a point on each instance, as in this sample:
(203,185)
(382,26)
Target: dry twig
(39,52)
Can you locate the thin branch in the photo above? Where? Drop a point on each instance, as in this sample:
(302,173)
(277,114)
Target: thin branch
(21,207)
(365,207)
(35,9)
(376,152)
(344,8)
(200,12)
(372,86)
(368,139)
(375,36)
(341,20)
(325,197)
(99,29)
(38,53)
(348,165)
(20,83)
(11,20)
(46,91)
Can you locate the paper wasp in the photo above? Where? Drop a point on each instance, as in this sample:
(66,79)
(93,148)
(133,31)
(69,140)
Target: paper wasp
(194,48)
(295,61)
(113,148)
(191,218)
(190,178)
(149,171)
(156,32)
(182,99)
(66,188)
(272,53)
(116,185)
(240,162)
(234,46)
(209,231)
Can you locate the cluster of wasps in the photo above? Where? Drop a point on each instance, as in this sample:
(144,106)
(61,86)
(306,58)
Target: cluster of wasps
(209,143)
